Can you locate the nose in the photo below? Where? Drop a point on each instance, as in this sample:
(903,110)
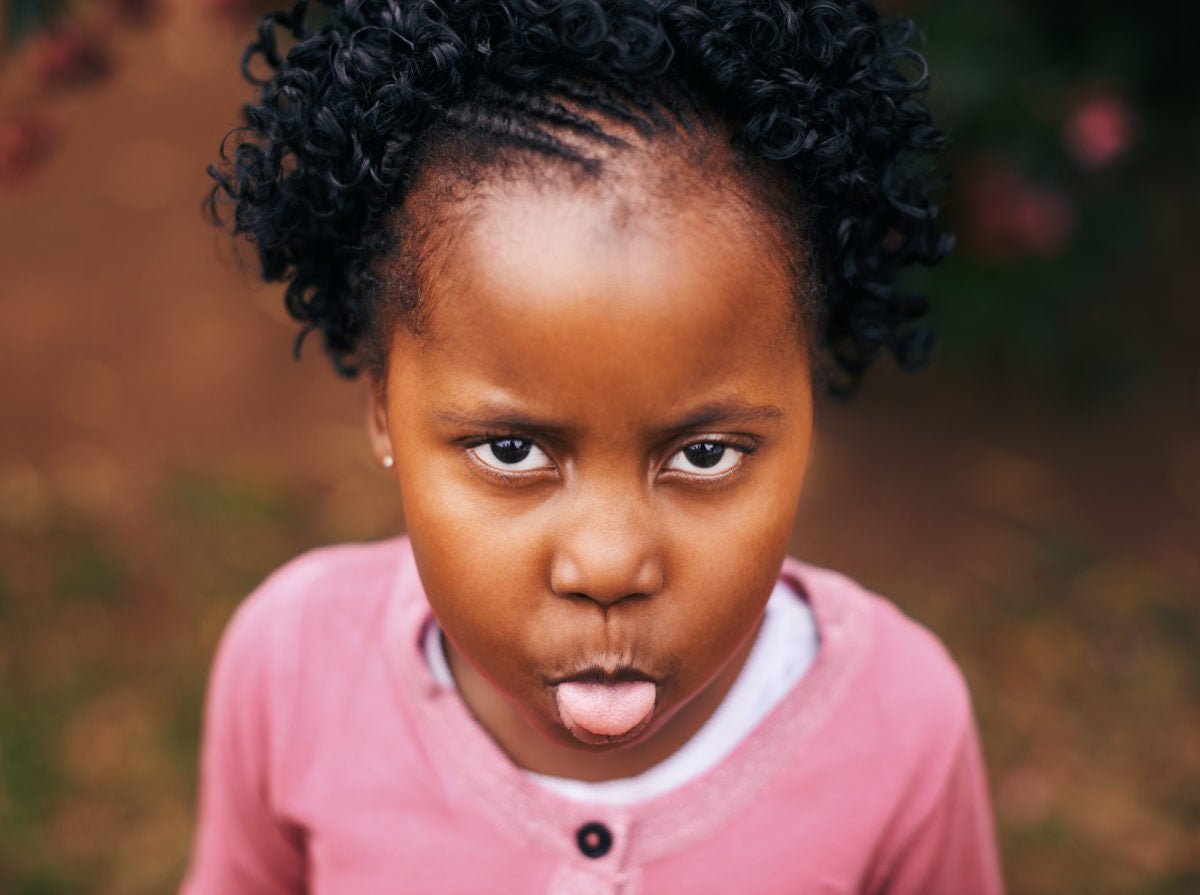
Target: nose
(607,549)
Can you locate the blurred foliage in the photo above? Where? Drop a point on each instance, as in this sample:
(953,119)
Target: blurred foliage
(1071,124)
(103,659)
(22,18)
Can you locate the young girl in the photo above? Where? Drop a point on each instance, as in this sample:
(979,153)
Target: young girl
(590,257)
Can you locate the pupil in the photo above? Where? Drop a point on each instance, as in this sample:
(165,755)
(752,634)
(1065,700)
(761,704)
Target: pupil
(705,454)
(511,450)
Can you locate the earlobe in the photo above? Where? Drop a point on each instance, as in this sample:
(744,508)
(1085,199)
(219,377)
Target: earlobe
(377,423)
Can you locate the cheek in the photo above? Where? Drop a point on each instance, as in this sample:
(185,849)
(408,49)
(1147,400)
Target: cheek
(480,566)
(727,554)
(725,569)
(746,533)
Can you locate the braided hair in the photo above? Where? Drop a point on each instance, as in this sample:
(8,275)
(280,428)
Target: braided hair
(370,92)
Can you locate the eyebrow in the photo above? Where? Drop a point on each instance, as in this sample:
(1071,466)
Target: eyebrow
(486,418)
(727,412)
(705,415)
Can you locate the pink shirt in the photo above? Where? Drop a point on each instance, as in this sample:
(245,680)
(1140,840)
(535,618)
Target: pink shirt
(334,764)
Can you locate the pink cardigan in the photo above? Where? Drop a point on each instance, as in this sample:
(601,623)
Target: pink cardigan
(334,764)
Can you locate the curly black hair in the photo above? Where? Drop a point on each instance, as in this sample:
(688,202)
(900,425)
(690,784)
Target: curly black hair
(372,90)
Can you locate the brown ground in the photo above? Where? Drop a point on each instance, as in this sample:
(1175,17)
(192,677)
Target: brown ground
(159,452)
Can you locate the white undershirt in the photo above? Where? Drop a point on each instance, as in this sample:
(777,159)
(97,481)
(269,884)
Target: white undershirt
(783,651)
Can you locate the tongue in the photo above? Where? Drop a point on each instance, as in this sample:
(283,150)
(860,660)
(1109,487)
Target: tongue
(605,709)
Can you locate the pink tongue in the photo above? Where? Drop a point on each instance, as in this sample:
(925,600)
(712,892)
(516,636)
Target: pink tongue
(605,709)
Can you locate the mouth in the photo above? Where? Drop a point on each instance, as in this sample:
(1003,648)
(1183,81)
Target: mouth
(599,706)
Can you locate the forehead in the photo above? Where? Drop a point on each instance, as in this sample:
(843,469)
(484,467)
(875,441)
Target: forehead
(605,299)
(541,250)
(645,181)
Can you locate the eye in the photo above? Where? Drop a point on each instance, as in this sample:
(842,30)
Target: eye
(511,455)
(706,458)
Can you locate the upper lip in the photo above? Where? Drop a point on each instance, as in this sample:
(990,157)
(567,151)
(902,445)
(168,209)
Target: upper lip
(598,674)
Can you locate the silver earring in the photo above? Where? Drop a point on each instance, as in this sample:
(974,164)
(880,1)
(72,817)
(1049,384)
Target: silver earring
(388,461)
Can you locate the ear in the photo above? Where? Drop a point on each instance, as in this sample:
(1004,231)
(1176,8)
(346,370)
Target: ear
(377,419)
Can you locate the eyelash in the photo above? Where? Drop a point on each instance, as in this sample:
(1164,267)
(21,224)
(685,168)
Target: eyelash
(745,445)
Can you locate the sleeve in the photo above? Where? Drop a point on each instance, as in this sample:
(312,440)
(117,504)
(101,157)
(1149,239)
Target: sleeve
(241,843)
(952,850)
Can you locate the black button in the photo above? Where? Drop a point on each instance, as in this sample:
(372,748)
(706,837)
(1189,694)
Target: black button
(594,840)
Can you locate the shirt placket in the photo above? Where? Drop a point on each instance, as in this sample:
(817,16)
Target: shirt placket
(598,862)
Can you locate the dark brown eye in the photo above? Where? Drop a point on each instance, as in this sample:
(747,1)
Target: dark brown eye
(511,455)
(511,451)
(704,454)
(707,458)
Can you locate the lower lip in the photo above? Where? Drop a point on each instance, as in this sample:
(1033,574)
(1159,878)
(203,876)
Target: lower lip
(605,712)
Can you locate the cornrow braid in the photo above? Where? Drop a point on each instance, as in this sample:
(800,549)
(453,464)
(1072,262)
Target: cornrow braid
(516,131)
(600,98)
(525,105)
(508,116)
(515,116)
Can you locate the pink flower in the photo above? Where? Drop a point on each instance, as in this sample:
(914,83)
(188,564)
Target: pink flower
(1099,131)
(1044,218)
(1007,217)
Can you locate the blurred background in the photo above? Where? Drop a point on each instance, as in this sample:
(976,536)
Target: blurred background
(1034,497)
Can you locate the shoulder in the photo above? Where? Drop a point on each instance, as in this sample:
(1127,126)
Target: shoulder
(338,569)
(902,742)
(921,678)
(325,601)
(344,581)
(277,665)
(289,644)
(905,679)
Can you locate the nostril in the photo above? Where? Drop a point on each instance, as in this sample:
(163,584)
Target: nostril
(605,603)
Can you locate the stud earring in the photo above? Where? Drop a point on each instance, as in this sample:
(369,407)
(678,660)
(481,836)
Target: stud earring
(388,461)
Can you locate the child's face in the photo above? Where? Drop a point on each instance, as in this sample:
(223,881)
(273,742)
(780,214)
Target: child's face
(600,434)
